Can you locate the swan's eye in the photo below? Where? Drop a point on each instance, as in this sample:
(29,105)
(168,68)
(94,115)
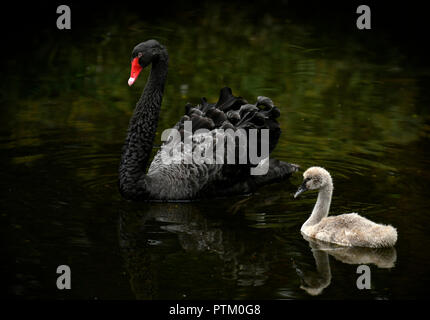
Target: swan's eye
(140,54)
(316,180)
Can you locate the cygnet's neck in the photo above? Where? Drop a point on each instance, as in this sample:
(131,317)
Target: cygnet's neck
(322,206)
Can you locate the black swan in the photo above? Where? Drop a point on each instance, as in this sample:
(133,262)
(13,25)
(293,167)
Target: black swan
(185,181)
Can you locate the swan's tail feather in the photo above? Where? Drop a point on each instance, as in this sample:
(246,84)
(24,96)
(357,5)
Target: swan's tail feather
(225,96)
(227,101)
(386,236)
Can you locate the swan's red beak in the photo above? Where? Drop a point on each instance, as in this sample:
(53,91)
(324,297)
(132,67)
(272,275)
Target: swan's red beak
(135,70)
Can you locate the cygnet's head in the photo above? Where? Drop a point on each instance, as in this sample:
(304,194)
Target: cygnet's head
(314,178)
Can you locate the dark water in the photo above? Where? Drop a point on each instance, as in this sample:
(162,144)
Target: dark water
(363,116)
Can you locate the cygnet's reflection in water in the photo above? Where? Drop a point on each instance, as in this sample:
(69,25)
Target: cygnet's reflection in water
(315,282)
(149,242)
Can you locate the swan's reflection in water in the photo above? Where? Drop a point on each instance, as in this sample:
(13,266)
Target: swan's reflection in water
(140,233)
(185,250)
(315,282)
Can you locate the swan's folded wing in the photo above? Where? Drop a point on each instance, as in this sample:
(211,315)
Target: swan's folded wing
(232,126)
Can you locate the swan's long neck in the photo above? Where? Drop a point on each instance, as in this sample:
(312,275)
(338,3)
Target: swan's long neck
(322,206)
(133,181)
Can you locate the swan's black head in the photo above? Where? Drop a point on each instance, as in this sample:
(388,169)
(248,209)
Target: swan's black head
(142,55)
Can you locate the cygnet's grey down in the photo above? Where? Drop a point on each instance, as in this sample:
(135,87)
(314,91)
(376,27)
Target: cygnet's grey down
(350,229)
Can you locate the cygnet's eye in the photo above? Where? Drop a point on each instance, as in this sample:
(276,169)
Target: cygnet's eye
(308,182)
(316,180)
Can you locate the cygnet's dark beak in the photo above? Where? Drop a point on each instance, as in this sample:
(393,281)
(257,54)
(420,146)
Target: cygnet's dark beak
(301,189)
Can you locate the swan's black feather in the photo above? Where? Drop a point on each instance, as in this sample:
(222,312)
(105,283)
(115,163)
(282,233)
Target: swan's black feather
(278,171)
(217,116)
(227,101)
(235,113)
